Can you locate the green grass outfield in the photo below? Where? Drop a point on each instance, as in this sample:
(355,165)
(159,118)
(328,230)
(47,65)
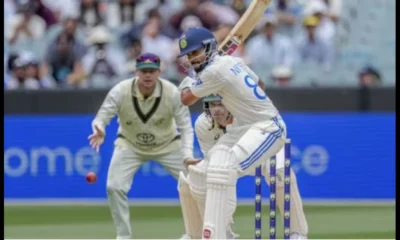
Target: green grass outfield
(329,222)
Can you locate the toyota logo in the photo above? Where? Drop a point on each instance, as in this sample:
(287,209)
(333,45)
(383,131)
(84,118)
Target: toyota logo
(145,137)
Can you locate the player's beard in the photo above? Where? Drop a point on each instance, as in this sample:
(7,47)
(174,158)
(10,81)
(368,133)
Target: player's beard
(195,64)
(200,66)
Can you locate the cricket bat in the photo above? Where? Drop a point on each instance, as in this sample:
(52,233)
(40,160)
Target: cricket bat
(244,27)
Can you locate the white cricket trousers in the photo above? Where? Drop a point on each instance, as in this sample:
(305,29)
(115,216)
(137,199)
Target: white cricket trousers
(253,145)
(241,149)
(124,164)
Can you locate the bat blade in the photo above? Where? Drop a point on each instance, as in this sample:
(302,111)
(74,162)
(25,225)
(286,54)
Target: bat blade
(244,27)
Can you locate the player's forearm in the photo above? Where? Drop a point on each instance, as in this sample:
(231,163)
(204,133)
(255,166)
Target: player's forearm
(187,97)
(101,120)
(107,111)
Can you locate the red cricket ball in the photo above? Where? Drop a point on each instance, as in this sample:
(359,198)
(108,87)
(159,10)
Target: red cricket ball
(91,177)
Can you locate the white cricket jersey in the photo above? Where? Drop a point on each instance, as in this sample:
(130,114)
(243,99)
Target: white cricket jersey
(208,132)
(236,84)
(148,125)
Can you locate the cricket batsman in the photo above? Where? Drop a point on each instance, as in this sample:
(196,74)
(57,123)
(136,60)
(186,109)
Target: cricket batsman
(149,113)
(210,126)
(258,132)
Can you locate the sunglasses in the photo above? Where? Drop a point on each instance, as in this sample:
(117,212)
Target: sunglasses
(147,58)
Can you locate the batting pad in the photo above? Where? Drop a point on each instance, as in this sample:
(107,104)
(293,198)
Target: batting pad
(221,187)
(191,216)
(197,182)
(231,208)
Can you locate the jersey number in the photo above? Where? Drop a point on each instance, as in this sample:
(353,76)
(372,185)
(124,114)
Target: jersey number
(252,84)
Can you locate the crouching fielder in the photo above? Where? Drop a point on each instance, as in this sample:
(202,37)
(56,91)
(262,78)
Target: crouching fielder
(209,127)
(149,113)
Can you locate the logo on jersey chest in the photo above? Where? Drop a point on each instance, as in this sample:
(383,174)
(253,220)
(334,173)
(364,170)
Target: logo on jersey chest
(145,139)
(216,137)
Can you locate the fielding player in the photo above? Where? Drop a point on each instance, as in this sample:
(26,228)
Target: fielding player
(149,113)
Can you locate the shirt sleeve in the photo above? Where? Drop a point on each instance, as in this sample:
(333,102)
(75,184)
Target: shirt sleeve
(208,83)
(109,108)
(184,124)
(202,133)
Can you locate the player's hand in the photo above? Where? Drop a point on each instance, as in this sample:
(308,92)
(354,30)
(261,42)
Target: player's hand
(191,161)
(97,138)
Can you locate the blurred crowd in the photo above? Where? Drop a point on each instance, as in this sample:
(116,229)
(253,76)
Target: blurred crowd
(94,43)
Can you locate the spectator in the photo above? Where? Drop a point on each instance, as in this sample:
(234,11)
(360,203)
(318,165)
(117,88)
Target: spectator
(155,42)
(9,12)
(70,28)
(369,76)
(44,12)
(288,13)
(269,49)
(60,7)
(25,25)
(10,62)
(311,47)
(134,50)
(16,75)
(102,64)
(62,61)
(168,8)
(90,14)
(190,22)
(334,9)
(9,67)
(136,31)
(223,14)
(190,7)
(238,6)
(18,78)
(326,28)
(32,73)
(281,76)
(120,13)
(6,56)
